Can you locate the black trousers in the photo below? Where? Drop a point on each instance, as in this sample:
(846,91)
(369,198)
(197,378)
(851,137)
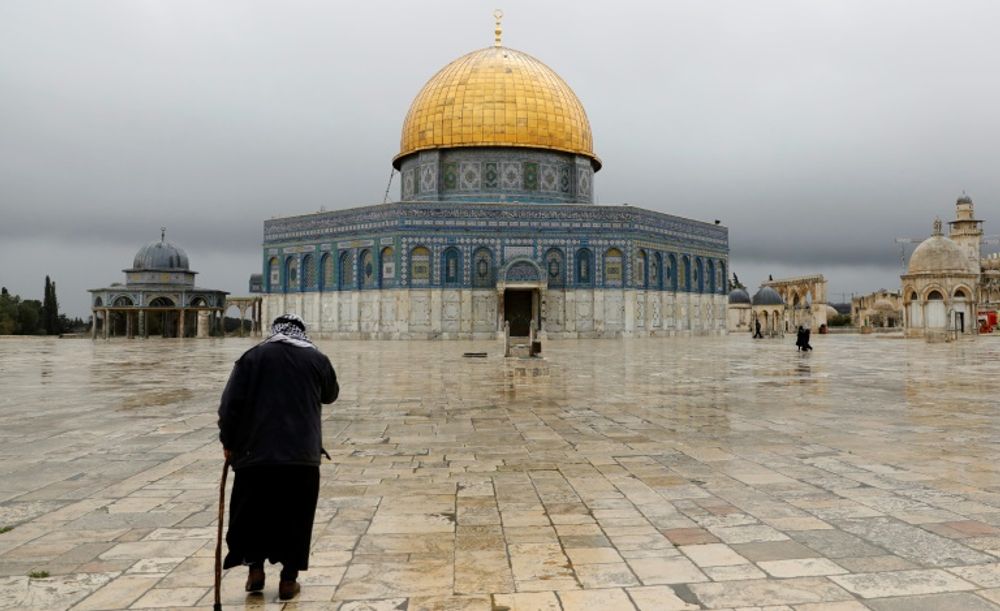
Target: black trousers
(271,514)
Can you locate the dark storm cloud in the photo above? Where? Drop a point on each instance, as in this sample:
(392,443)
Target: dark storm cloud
(816,131)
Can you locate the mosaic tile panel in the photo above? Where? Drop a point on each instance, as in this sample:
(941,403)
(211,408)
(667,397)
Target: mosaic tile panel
(510,175)
(531,176)
(491,175)
(469,176)
(428,178)
(450,175)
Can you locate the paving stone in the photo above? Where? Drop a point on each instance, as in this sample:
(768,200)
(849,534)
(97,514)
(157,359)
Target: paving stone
(933,602)
(804,567)
(588,600)
(761,592)
(901,583)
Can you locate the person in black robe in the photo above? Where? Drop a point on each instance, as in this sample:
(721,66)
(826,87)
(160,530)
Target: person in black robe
(269,426)
(756,330)
(800,338)
(805,339)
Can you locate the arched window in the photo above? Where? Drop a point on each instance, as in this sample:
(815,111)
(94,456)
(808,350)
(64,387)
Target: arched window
(162,302)
(671,273)
(388,266)
(685,273)
(961,294)
(345,272)
(711,276)
(482,268)
(639,270)
(420,266)
(366,269)
(613,265)
(913,296)
(291,273)
(326,278)
(122,301)
(452,266)
(584,267)
(273,275)
(555,268)
(656,271)
(934,296)
(308,272)
(699,275)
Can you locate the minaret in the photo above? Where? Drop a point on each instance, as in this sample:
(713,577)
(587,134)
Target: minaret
(966,230)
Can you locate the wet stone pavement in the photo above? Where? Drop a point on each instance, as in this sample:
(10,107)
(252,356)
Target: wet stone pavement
(654,474)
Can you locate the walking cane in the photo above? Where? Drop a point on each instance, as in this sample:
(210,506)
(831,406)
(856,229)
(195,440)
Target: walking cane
(218,539)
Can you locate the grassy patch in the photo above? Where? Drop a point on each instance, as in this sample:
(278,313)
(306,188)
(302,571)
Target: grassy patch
(38,574)
(5,529)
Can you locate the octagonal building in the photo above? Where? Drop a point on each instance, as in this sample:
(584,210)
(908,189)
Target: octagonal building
(496,224)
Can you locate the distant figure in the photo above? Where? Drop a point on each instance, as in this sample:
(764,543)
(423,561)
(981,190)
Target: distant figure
(802,339)
(269,425)
(756,329)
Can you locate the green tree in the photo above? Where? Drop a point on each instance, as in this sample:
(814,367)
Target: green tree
(8,312)
(29,317)
(50,309)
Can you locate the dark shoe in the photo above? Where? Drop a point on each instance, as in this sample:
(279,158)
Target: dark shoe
(288,589)
(255,580)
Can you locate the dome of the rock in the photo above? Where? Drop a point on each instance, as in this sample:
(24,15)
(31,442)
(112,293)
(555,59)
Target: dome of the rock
(497,97)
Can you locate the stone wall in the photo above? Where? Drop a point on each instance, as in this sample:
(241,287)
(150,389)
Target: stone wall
(441,313)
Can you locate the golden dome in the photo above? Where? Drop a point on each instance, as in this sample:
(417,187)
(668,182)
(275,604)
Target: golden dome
(497,97)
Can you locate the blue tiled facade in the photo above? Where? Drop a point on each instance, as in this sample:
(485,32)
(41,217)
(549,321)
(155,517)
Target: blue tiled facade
(463,245)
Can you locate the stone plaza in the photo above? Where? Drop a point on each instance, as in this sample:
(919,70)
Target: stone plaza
(693,473)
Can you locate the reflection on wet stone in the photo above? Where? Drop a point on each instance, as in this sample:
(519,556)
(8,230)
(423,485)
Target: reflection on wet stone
(680,473)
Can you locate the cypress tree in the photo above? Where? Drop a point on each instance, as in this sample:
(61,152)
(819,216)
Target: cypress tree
(45,305)
(50,308)
(53,310)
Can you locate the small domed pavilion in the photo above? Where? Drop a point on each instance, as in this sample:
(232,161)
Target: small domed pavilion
(738,312)
(939,288)
(769,308)
(158,298)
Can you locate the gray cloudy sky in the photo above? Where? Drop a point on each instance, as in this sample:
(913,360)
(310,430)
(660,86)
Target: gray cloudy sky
(816,131)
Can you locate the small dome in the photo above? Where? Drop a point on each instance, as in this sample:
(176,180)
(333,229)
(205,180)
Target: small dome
(767,296)
(161,255)
(938,254)
(964,199)
(497,97)
(739,296)
(883,304)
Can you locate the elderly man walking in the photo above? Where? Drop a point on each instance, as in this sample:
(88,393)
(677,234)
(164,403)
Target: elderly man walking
(269,425)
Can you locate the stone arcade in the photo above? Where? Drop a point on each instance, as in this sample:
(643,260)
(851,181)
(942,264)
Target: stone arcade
(497,224)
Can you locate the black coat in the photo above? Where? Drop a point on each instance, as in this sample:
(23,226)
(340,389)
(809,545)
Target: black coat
(270,410)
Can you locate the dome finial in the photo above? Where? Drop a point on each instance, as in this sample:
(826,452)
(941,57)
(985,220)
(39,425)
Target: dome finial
(498,15)
(937,226)
(163,234)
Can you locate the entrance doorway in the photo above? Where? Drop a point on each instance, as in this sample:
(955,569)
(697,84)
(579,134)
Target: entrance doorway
(959,321)
(517,311)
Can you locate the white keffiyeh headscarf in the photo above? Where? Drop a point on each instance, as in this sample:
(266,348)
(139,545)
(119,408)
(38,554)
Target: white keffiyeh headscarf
(290,329)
